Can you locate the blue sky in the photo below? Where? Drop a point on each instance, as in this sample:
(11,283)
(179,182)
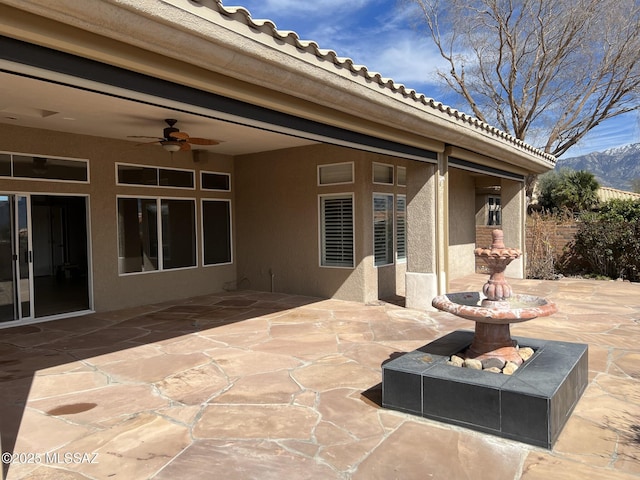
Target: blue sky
(378,34)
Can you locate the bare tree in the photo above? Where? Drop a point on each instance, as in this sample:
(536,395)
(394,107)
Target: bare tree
(546,71)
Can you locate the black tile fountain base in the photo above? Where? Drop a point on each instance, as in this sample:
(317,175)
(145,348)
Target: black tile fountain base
(530,406)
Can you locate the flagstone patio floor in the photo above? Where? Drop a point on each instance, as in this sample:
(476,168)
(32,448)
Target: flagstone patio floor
(253,385)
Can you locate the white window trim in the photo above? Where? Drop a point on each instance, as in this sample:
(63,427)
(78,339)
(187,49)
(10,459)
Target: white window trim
(373,175)
(52,157)
(319,184)
(159,199)
(353,204)
(202,200)
(227,174)
(157,168)
(373,227)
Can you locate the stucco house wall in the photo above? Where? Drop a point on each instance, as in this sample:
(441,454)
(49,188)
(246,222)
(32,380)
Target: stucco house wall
(278,224)
(462,204)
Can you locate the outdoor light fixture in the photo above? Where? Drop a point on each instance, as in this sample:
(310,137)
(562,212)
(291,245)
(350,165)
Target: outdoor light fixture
(171,146)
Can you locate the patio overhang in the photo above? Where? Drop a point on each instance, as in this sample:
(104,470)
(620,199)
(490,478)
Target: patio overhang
(221,52)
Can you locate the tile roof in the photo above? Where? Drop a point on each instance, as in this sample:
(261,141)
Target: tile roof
(608,193)
(290,37)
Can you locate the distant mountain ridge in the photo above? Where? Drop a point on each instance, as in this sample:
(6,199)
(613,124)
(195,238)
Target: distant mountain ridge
(614,168)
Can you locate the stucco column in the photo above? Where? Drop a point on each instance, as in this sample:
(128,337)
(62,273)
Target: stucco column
(513,198)
(422,218)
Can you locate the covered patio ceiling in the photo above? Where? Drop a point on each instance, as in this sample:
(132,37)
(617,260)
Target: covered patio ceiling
(27,101)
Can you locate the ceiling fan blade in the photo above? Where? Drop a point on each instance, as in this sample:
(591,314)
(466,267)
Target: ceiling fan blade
(179,135)
(147,143)
(185,147)
(144,136)
(202,141)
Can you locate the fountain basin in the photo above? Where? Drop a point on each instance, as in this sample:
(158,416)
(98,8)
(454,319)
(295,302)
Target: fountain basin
(476,307)
(530,406)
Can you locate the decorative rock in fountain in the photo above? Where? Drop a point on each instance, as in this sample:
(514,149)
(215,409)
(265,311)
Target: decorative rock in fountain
(531,405)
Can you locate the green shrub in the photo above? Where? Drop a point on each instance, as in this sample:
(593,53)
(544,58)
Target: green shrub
(573,190)
(607,242)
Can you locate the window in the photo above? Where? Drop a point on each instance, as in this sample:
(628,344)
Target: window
(215,181)
(137,175)
(335,174)
(45,168)
(336,231)
(146,223)
(383,173)
(401,227)
(494,208)
(154,177)
(402,176)
(383,229)
(216,232)
(175,178)
(178,233)
(5,165)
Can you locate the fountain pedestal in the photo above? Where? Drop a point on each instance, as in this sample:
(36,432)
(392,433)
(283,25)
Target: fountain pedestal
(493,340)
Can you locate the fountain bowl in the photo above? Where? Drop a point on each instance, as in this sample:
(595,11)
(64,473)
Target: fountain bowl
(476,307)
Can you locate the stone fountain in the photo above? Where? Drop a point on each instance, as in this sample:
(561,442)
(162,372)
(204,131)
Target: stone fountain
(531,404)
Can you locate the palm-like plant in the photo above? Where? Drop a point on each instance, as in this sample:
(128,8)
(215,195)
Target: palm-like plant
(576,191)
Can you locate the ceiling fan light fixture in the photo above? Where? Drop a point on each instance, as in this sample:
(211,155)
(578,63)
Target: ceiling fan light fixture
(171,146)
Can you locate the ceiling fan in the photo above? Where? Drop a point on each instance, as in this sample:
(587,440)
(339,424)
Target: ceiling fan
(173,139)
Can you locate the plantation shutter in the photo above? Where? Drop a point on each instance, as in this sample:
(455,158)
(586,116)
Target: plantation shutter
(383,229)
(337,231)
(401,227)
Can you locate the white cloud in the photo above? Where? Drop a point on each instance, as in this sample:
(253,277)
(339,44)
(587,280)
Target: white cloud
(297,8)
(405,58)
(373,33)
(614,132)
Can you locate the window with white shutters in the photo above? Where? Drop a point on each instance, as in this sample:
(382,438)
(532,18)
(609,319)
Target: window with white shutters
(401,227)
(383,229)
(336,231)
(383,173)
(335,173)
(402,176)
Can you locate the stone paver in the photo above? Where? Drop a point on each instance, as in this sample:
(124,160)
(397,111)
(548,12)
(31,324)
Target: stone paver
(255,385)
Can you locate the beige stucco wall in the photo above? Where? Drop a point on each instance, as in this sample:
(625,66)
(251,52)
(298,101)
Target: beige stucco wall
(462,207)
(513,223)
(111,290)
(422,267)
(278,227)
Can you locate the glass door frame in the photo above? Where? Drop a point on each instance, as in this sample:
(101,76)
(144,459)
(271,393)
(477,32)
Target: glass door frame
(21,256)
(26,254)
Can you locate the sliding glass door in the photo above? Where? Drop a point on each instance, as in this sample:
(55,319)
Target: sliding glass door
(16,258)
(44,264)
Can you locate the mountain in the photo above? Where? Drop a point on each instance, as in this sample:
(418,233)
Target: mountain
(613,168)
